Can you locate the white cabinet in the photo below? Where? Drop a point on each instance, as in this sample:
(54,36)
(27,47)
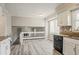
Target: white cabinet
(77,49)
(64,18)
(68,47)
(5,47)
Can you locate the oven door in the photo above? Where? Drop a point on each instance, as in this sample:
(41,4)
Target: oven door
(58,43)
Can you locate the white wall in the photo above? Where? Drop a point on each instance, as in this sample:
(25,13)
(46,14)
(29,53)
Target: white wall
(8,25)
(23,21)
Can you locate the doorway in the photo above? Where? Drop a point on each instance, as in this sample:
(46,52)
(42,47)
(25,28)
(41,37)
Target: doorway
(53,28)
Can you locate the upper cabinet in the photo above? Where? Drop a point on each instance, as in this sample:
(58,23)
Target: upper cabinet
(75,20)
(64,13)
(64,18)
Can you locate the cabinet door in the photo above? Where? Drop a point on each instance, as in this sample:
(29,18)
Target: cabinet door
(68,48)
(59,17)
(64,18)
(77,49)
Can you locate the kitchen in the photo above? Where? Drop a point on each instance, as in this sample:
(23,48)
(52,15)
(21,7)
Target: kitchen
(66,31)
(61,28)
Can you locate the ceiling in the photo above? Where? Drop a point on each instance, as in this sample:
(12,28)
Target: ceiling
(31,9)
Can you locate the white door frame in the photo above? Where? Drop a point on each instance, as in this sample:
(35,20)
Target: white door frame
(49,24)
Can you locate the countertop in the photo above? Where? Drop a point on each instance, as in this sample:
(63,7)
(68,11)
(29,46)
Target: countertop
(72,37)
(3,38)
(76,38)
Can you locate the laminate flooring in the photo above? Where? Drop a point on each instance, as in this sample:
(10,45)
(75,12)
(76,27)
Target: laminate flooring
(33,47)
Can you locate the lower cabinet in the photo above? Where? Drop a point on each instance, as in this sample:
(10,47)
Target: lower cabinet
(5,47)
(77,49)
(70,46)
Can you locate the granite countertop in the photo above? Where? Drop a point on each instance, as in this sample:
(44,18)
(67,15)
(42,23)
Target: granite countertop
(3,38)
(72,37)
(76,38)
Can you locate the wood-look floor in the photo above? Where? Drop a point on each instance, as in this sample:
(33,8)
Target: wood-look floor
(33,47)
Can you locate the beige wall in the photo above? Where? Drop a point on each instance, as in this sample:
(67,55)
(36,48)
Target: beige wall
(23,21)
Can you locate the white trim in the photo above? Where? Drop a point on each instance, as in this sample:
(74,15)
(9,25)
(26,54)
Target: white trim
(52,18)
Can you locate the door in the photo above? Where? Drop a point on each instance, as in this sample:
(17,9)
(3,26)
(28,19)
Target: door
(68,48)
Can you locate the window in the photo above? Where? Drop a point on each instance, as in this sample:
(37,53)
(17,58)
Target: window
(75,17)
(53,27)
